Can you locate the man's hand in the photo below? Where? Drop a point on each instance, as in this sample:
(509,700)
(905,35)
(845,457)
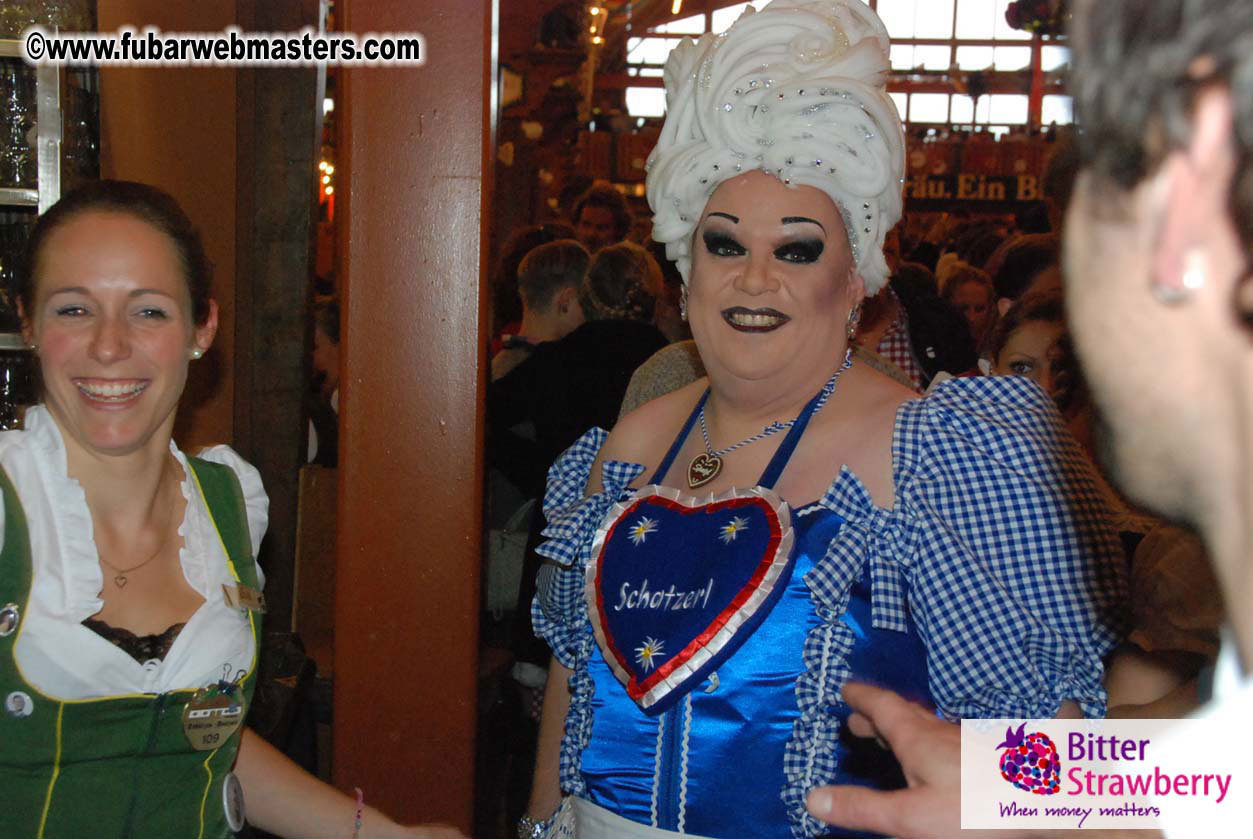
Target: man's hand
(929,751)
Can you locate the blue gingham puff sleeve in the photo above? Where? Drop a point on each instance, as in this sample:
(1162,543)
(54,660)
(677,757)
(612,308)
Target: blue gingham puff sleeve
(1015,575)
(999,545)
(559,612)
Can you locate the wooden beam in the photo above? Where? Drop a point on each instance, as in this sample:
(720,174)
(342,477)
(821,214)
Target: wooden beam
(415,146)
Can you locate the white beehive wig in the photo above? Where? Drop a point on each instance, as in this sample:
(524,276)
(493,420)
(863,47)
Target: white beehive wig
(796,90)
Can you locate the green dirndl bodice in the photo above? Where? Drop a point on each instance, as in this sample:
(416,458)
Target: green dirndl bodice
(116,766)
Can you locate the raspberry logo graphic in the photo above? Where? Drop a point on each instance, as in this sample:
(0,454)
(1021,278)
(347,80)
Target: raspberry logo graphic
(1030,762)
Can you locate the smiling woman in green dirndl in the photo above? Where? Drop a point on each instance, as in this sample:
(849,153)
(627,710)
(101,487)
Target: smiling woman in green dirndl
(130,598)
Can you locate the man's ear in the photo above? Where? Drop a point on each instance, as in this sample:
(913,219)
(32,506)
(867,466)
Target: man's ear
(1190,194)
(1003,305)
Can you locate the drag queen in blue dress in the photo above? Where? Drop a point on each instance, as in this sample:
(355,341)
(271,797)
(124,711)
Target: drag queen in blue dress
(724,561)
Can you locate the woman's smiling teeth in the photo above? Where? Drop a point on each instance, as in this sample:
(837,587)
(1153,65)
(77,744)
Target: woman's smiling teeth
(754,320)
(110,391)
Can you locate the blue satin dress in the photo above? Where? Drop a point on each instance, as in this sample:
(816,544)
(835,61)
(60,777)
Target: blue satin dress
(713,764)
(993,587)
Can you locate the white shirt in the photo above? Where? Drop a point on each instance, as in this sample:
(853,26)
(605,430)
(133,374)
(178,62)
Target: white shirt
(55,653)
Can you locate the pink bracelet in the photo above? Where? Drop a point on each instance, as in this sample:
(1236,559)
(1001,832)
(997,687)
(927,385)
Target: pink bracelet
(356,826)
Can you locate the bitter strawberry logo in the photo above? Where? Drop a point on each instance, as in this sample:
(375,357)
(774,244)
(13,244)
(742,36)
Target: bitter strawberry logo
(1030,762)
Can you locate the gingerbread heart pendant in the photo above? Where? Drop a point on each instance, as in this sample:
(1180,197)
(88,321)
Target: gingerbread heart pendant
(703,469)
(676,584)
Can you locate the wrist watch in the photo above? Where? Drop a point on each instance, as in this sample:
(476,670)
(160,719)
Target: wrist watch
(529,828)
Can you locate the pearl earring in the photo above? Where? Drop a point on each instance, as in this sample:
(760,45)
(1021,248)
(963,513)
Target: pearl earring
(196,353)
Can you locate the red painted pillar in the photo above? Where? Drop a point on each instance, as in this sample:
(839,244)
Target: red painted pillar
(413,187)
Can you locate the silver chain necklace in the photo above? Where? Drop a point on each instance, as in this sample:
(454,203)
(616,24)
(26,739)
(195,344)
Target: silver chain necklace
(706,465)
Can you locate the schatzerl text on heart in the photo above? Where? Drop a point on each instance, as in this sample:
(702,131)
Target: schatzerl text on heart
(671,598)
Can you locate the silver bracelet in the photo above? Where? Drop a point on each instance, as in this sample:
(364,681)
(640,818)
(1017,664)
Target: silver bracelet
(529,828)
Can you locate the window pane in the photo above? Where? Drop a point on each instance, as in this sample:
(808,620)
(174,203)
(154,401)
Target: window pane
(898,17)
(963,110)
(1054,58)
(646,101)
(933,57)
(967,112)
(934,19)
(723,18)
(690,25)
(649,50)
(974,58)
(1008,108)
(651,71)
(1056,109)
(907,57)
(900,100)
(982,107)
(928,107)
(902,57)
(975,18)
(1013,58)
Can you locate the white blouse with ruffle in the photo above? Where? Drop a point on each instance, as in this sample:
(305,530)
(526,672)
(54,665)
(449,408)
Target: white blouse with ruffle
(55,653)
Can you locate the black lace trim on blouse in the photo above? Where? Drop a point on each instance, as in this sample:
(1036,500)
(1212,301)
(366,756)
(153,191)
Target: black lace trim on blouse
(139,647)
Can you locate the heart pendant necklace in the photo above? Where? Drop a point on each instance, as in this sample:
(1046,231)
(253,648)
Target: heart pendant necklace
(707,464)
(121,575)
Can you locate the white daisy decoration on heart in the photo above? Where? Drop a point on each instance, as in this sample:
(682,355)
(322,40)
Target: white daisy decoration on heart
(639,532)
(732,529)
(646,653)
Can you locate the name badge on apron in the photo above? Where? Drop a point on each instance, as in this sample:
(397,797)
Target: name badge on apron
(214,713)
(244,598)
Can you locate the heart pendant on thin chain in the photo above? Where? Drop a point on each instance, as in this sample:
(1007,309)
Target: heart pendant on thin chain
(120,581)
(703,469)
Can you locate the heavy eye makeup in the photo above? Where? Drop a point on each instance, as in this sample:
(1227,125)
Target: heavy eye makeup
(797,251)
(719,243)
(800,251)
